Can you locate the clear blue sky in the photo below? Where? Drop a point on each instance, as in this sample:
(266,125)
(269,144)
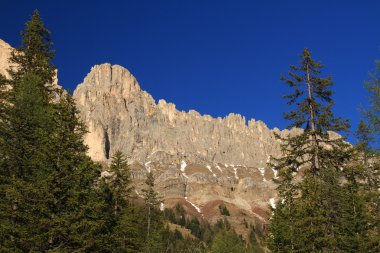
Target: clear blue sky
(215,57)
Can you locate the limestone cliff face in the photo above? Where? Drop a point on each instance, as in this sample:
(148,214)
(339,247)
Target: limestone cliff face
(121,116)
(195,157)
(198,161)
(5,53)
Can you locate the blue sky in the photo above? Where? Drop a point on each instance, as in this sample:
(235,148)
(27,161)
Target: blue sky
(215,57)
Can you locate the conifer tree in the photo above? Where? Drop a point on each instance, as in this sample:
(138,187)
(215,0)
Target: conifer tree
(310,208)
(128,234)
(119,181)
(367,162)
(372,114)
(154,226)
(77,220)
(49,200)
(227,241)
(367,137)
(35,53)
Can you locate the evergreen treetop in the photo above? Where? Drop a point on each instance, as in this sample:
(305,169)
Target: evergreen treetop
(35,53)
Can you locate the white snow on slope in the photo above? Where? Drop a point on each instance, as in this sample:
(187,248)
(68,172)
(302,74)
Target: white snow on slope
(183,165)
(209,168)
(147,166)
(272,203)
(235,172)
(275,172)
(196,207)
(262,172)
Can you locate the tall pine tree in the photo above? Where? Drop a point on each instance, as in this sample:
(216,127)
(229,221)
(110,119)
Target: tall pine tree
(49,198)
(310,209)
(154,226)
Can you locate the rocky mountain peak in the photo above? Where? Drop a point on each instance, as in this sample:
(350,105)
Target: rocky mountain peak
(123,117)
(198,161)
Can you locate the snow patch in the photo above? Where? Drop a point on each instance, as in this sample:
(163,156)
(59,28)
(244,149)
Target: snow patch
(147,166)
(272,203)
(218,167)
(235,172)
(196,207)
(183,165)
(262,172)
(275,172)
(209,168)
(162,206)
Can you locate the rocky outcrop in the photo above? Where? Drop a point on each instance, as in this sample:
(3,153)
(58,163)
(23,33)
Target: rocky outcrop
(121,116)
(198,161)
(195,157)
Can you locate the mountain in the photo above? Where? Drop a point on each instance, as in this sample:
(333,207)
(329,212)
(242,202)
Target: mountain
(198,161)
(196,158)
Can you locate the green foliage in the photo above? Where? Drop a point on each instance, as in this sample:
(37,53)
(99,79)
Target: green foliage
(129,231)
(119,180)
(35,54)
(372,114)
(175,242)
(254,244)
(323,212)
(48,196)
(154,225)
(227,241)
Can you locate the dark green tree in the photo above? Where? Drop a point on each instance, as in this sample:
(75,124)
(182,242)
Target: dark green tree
(24,149)
(128,234)
(154,225)
(227,241)
(77,208)
(35,53)
(119,181)
(367,169)
(49,198)
(311,208)
(372,113)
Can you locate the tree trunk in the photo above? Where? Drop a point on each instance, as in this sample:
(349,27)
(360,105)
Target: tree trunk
(312,119)
(148,230)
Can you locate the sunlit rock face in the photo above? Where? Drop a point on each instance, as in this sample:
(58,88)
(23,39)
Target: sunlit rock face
(198,161)
(5,53)
(121,116)
(197,158)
